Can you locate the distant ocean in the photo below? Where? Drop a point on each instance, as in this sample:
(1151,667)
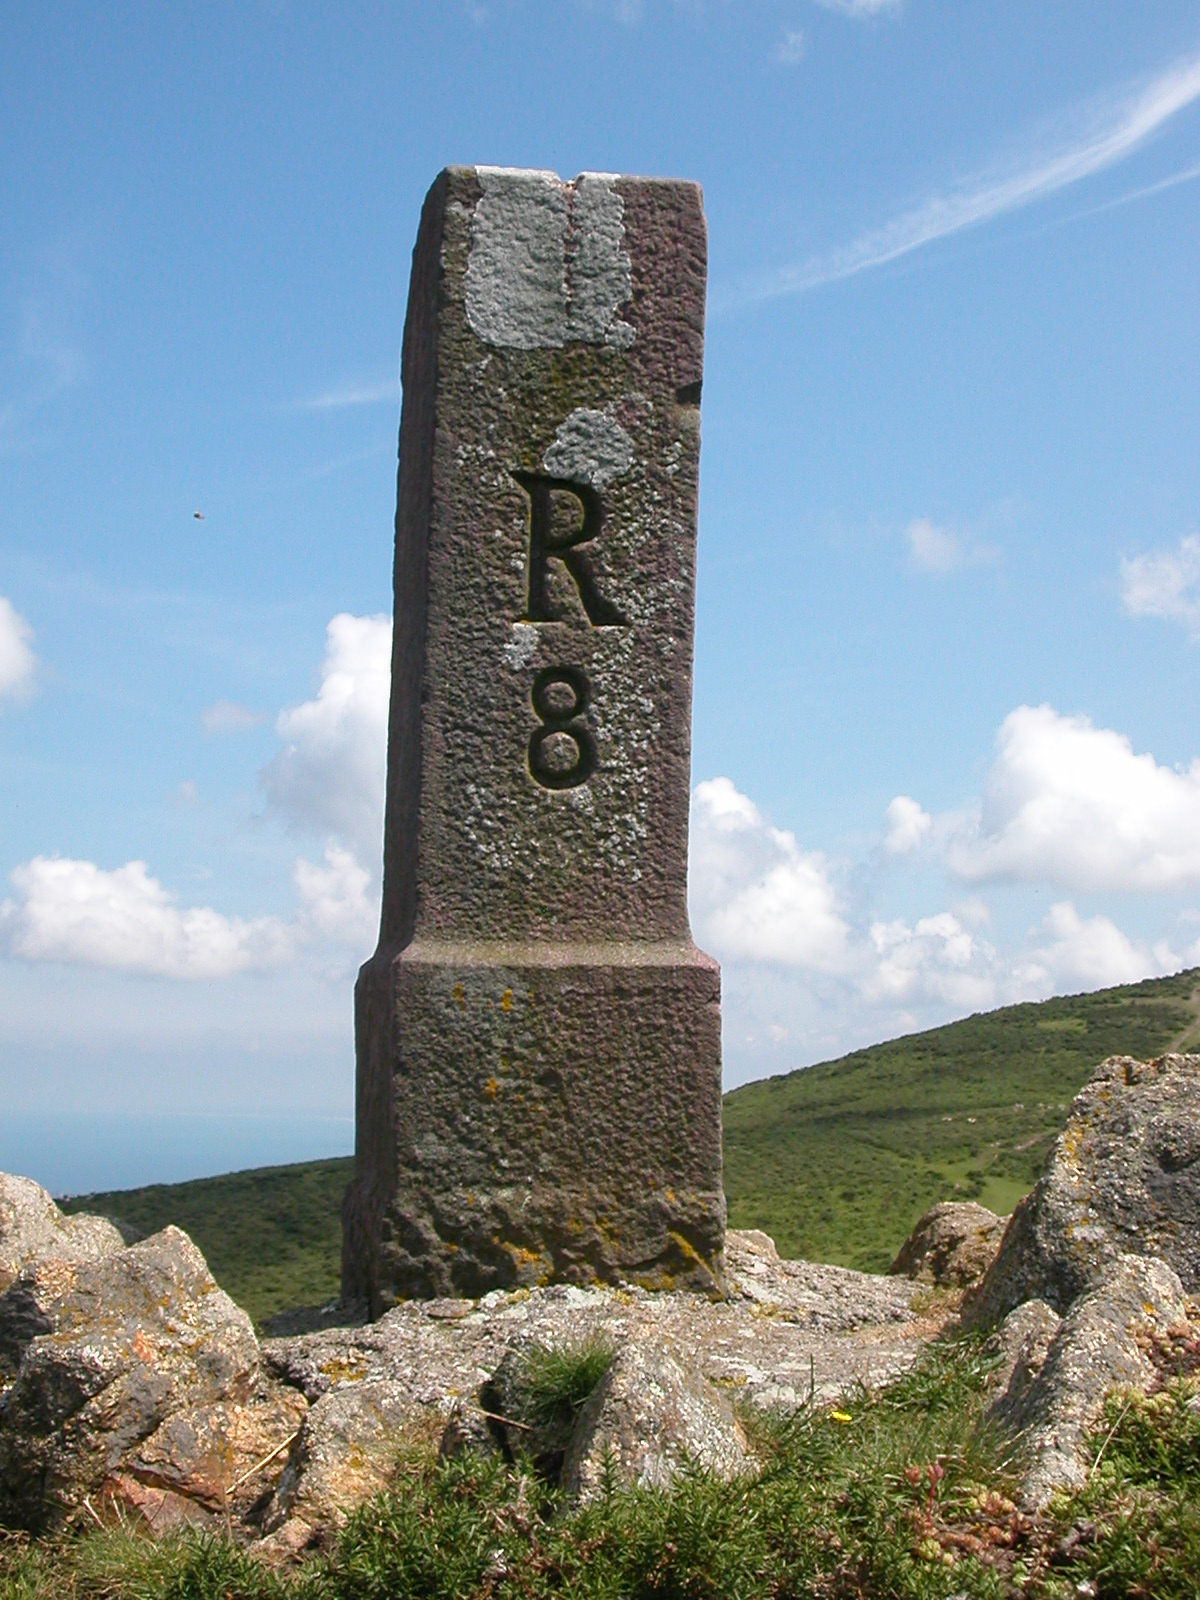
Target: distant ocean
(79,1153)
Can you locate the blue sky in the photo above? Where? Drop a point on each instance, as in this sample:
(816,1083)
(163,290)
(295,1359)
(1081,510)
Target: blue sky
(945,747)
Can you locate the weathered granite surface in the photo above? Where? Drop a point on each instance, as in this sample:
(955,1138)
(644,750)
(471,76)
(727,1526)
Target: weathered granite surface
(952,1246)
(32,1228)
(1055,1391)
(538,1038)
(647,1417)
(788,1330)
(132,1376)
(1123,1177)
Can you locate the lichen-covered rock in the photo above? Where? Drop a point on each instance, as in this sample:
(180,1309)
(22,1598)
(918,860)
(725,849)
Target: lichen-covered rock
(32,1228)
(345,1452)
(221,1454)
(952,1246)
(95,1356)
(822,1296)
(1055,1394)
(646,1418)
(1022,1342)
(1123,1177)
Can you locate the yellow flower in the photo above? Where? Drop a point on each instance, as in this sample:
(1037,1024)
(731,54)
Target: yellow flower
(840,1416)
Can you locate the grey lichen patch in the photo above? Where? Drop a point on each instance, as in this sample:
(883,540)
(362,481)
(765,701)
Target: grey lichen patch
(547,264)
(589,447)
(522,643)
(601,273)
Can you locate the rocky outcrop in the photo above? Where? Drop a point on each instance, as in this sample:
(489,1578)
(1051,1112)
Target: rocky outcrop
(1022,1341)
(452,1368)
(646,1418)
(1123,1177)
(952,1246)
(32,1228)
(1061,1373)
(132,1376)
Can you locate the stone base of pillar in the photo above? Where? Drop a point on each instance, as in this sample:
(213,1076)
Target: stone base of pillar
(529,1113)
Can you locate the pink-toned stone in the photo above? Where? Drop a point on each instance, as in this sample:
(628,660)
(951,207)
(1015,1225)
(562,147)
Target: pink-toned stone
(538,1037)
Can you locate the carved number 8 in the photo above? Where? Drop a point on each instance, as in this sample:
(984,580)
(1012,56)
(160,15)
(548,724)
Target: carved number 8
(555,718)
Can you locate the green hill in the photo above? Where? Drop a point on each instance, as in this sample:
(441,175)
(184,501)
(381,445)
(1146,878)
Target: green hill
(836,1162)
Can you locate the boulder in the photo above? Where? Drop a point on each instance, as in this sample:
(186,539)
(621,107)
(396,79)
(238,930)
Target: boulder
(32,1228)
(952,1246)
(345,1452)
(646,1418)
(1055,1392)
(1123,1177)
(130,1369)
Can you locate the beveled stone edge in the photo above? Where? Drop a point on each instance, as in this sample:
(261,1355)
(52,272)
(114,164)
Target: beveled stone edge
(516,954)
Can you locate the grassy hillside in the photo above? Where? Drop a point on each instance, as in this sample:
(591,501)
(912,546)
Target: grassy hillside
(836,1162)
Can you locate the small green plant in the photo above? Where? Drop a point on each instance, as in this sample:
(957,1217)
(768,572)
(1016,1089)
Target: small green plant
(556,1381)
(1134,1529)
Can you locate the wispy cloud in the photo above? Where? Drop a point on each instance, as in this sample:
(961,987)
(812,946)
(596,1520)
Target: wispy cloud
(49,360)
(1146,192)
(860,10)
(384,392)
(227,716)
(790,49)
(1164,583)
(1104,136)
(942,550)
(17,660)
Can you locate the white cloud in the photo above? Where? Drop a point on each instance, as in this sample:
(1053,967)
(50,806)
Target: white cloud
(810,967)
(17,660)
(1086,954)
(329,777)
(226,716)
(860,9)
(336,900)
(789,52)
(934,959)
(1071,804)
(1101,138)
(73,911)
(755,895)
(908,826)
(1164,583)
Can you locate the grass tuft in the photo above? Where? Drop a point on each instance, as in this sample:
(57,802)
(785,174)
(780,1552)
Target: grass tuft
(556,1381)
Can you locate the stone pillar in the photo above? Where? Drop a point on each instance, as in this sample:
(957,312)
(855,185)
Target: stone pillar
(538,1038)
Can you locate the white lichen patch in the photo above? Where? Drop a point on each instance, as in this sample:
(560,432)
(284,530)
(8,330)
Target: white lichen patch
(522,645)
(546,265)
(589,447)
